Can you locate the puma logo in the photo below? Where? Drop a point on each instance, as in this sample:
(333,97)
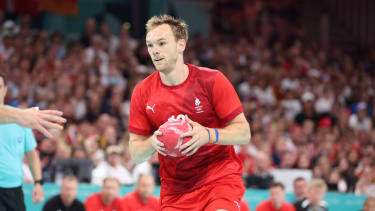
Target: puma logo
(150,108)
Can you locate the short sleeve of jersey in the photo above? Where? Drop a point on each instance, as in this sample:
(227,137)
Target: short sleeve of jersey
(225,99)
(138,121)
(30,142)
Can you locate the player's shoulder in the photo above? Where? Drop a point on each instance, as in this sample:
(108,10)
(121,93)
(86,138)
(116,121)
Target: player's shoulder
(204,75)
(146,84)
(204,71)
(149,80)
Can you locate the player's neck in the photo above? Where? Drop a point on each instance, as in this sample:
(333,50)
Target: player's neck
(177,76)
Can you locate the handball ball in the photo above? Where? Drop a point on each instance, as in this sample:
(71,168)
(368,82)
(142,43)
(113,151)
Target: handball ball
(171,132)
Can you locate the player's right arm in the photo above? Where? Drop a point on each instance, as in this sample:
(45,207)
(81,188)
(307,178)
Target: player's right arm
(142,144)
(143,147)
(41,120)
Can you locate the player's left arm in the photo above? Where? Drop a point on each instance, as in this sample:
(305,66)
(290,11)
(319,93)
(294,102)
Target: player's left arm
(36,170)
(237,131)
(227,107)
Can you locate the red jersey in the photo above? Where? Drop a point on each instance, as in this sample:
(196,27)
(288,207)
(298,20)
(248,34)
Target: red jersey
(267,206)
(132,202)
(244,206)
(207,97)
(95,203)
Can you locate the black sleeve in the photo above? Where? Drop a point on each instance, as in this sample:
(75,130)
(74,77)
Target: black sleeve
(298,205)
(49,205)
(78,206)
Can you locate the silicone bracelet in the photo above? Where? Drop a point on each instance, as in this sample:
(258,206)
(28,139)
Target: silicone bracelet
(217,135)
(209,135)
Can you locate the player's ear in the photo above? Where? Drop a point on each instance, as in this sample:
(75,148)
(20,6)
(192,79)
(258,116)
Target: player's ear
(181,44)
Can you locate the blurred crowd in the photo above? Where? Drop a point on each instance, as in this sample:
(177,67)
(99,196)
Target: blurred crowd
(308,108)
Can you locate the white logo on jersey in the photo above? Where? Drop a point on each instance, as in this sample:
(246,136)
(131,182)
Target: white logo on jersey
(197,102)
(198,107)
(238,205)
(150,108)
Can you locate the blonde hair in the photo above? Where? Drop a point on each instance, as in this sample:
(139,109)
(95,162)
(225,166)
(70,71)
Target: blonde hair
(178,26)
(112,179)
(318,183)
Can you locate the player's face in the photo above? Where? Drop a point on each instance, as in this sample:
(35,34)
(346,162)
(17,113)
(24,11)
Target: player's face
(3,90)
(163,48)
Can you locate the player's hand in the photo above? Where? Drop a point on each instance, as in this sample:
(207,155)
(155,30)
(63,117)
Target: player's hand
(37,194)
(45,121)
(199,137)
(156,144)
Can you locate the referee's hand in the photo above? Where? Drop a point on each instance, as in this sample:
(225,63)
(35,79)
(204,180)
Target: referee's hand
(37,194)
(45,121)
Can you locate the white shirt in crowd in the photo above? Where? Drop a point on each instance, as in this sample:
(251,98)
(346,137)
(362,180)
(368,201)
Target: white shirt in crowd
(105,170)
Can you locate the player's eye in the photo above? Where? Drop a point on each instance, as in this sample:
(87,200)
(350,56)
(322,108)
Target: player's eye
(162,43)
(149,45)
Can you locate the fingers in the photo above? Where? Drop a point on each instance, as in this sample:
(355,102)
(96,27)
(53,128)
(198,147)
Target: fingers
(189,120)
(52,116)
(37,195)
(50,125)
(44,131)
(187,134)
(193,151)
(189,146)
(158,145)
(52,112)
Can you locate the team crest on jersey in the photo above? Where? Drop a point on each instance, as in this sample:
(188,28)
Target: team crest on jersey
(198,106)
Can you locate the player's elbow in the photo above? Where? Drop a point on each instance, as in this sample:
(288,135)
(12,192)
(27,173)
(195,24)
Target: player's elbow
(246,134)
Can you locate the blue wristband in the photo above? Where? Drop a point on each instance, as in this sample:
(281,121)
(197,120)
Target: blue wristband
(209,135)
(217,135)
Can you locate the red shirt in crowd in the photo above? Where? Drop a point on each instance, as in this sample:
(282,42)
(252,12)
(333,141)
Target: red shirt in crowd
(244,206)
(132,202)
(206,97)
(267,206)
(95,203)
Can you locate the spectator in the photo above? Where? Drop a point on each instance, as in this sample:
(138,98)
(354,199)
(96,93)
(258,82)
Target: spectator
(300,189)
(261,177)
(369,204)
(316,190)
(276,201)
(112,168)
(365,184)
(308,111)
(244,205)
(66,200)
(112,41)
(360,121)
(107,199)
(142,198)
(90,28)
